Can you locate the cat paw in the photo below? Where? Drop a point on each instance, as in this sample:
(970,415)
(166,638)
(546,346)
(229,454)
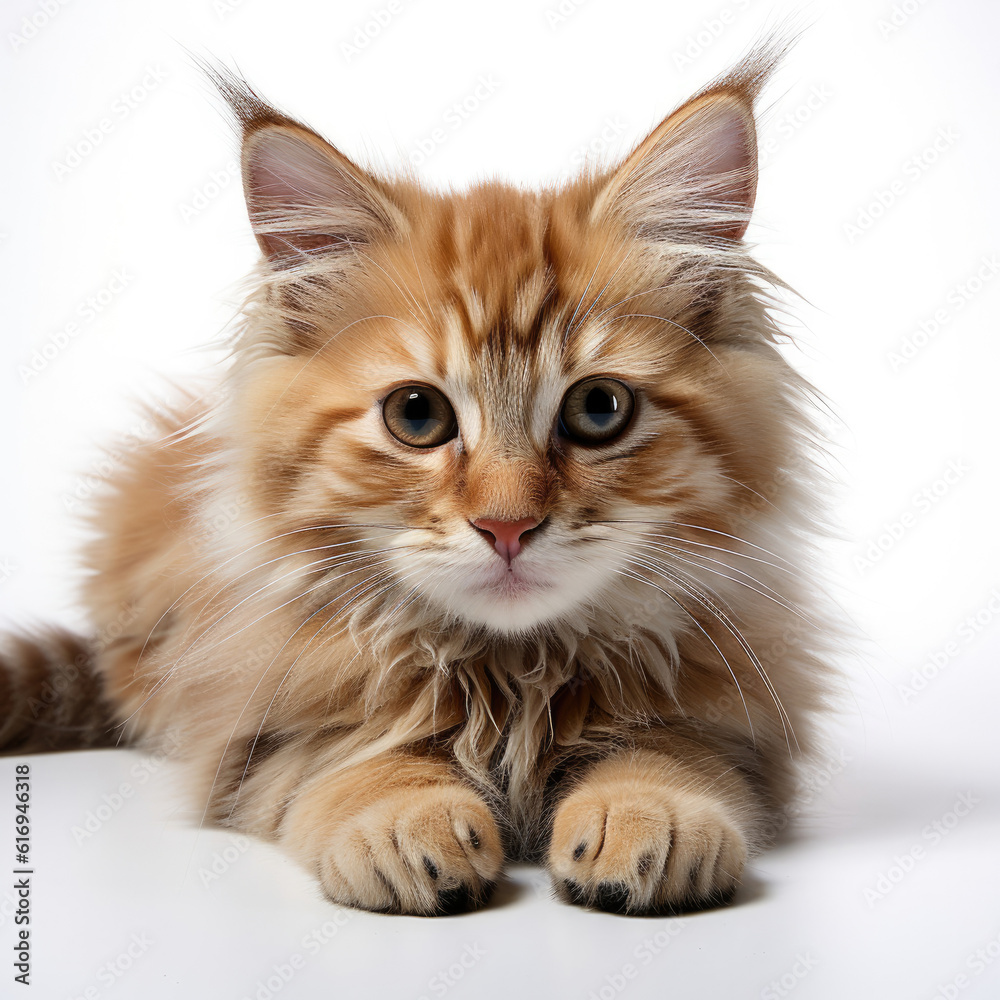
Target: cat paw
(433,849)
(628,843)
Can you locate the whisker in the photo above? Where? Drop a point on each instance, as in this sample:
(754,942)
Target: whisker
(597,267)
(697,527)
(242,553)
(406,294)
(680,540)
(173,667)
(750,489)
(301,653)
(683,329)
(170,671)
(697,624)
(709,605)
(583,318)
(260,681)
(322,582)
(629,298)
(420,278)
(313,356)
(679,555)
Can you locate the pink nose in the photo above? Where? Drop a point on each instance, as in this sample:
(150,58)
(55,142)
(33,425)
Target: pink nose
(505,536)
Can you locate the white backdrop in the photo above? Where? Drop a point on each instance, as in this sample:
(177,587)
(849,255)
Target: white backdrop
(122,246)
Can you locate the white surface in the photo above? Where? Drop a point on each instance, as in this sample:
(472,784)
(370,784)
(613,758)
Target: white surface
(214,915)
(854,105)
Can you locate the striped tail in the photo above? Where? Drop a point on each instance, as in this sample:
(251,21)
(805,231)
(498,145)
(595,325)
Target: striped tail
(51,697)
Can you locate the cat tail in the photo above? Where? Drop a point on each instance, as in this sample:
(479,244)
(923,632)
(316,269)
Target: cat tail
(51,695)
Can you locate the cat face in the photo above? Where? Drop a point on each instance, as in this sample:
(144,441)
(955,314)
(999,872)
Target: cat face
(514,390)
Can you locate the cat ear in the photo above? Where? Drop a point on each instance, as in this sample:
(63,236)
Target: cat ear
(304,197)
(694,177)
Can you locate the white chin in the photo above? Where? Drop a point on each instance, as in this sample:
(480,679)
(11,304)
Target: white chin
(509,614)
(512,605)
(536,593)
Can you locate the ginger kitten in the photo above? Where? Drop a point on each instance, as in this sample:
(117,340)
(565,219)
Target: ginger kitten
(517,483)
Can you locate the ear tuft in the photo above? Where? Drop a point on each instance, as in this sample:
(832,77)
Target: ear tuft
(306,200)
(693,179)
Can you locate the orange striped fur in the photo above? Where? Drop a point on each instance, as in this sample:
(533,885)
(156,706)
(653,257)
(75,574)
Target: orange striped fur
(350,669)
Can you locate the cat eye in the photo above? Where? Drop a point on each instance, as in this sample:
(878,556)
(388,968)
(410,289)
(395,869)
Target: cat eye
(419,416)
(596,410)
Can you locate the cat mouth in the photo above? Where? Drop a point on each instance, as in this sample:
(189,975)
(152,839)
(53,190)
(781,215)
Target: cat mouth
(511,582)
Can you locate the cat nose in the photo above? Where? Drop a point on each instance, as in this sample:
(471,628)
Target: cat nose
(505,536)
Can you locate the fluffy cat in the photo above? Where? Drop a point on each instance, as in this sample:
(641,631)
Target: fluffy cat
(514,500)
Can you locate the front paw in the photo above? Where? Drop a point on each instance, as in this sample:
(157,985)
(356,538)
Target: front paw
(432,849)
(630,841)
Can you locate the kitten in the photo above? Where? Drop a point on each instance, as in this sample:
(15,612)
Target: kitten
(513,492)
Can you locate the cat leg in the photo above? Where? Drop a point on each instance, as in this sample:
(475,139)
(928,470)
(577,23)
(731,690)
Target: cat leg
(653,831)
(399,834)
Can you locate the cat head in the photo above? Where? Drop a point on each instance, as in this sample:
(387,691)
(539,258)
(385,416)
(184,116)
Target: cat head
(515,402)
